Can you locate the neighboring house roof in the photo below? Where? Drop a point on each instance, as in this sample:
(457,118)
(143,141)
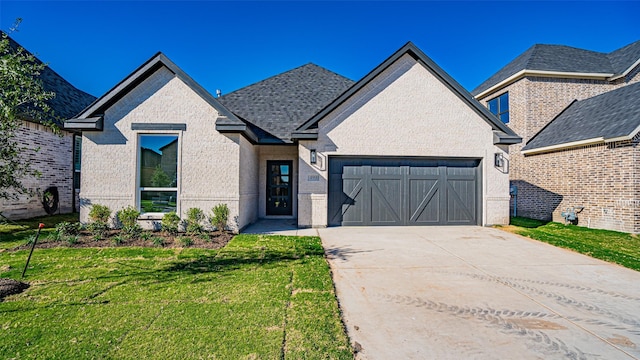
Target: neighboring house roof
(68,99)
(280,104)
(564,61)
(612,116)
(502,134)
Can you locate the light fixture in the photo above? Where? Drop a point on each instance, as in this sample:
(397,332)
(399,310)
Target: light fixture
(498,160)
(313,156)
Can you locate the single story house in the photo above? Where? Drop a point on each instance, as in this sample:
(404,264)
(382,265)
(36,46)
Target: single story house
(404,145)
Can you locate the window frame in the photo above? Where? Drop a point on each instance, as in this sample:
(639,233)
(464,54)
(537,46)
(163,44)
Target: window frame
(500,111)
(77,161)
(138,169)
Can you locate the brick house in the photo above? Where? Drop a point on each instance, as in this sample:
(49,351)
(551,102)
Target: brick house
(404,145)
(58,159)
(578,114)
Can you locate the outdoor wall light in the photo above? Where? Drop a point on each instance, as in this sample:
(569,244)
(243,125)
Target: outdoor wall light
(498,160)
(313,156)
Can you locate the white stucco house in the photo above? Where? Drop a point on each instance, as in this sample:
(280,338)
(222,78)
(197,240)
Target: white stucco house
(405,145)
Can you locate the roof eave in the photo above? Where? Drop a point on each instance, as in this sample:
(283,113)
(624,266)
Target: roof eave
(542,73)
(626,72)
(564,146)
(85,124)
(242,129)
(310,134)
(501,138)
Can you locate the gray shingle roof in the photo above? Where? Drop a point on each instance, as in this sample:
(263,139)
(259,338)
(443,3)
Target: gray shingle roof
(279,104)
(560,58)
(69,100)
(610,115)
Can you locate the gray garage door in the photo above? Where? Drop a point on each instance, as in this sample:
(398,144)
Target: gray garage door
(398,191)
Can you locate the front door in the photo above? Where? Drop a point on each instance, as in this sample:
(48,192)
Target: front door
(279,177)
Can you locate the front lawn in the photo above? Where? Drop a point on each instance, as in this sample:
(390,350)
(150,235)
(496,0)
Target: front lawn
(260,297)
(612,246)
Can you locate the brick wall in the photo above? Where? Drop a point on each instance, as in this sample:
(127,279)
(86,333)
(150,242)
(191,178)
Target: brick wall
(601,178)
(54,160)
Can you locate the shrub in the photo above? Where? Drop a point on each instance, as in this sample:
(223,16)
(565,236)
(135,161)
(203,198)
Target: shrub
(194,218)
(128,216)
(72,239)
(98,229)
(146,236)
(220,216)
(99,213)
(65,230)
(185,241)
(170,222)
(157,241)
(118,239)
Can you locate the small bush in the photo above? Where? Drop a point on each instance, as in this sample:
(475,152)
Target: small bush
(146,235)
(185,241)
(194,219)
(128,216)
(157,241)
(72,239)
(68,228)
(100,213)
(65,230)
(98,229)
(118,240)
(170,222)
(220,216)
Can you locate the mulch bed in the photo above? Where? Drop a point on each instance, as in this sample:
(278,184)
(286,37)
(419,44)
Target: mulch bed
(207,240)
(10,287)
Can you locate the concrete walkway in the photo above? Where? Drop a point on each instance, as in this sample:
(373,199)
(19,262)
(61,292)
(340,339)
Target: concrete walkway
(479,293)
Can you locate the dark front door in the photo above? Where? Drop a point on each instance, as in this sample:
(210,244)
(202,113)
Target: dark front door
(279,177)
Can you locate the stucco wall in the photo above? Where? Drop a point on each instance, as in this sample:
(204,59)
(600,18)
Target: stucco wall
(270,152)
(208,161)
(405,111)
(54,160)
(248,177)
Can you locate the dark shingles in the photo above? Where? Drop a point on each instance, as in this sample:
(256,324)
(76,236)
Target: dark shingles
(279,104)
(610,115)
(560,58)
(623,58)
(68,100)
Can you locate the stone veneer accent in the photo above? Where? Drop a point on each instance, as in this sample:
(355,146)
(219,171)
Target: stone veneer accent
(54,160)
(601,178)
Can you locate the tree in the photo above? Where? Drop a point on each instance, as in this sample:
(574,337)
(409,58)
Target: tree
(22,97)
(160,178)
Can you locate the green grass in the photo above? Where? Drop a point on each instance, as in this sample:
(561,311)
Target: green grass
(18,232)
(611,246)
(260,297)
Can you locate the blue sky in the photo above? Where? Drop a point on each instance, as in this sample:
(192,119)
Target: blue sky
(228,45)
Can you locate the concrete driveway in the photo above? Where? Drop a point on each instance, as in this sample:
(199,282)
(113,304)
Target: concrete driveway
(479,293)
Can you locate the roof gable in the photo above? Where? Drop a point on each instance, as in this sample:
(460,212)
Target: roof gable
(91,117)
(614,115)
(280,104)
(555,60)
(502,132)
(68,99)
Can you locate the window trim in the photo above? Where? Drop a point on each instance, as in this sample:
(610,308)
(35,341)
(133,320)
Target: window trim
(499,113)
(137,164)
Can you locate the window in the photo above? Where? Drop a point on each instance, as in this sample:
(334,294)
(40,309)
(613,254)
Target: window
(500,107)
(77,155)
(158,166)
